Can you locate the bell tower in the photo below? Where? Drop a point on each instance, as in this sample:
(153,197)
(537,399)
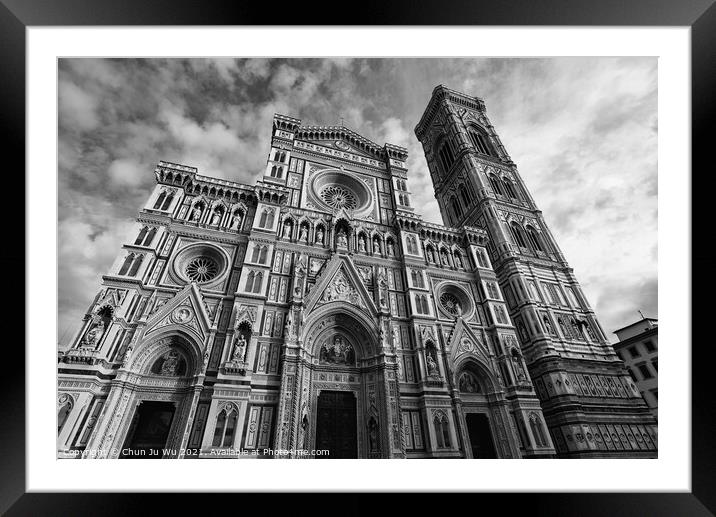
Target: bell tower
(587,396)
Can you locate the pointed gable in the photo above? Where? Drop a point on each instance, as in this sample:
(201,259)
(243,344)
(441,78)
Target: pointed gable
(340,281)
(186,310)
(464,341)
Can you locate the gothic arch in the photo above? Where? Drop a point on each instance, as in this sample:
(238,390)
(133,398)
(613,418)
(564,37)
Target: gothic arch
(148,351)
(342,315)
(481,370)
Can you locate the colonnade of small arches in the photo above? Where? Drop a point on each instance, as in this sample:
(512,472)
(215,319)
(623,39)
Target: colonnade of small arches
(441,255)
(196,188)
(218,215)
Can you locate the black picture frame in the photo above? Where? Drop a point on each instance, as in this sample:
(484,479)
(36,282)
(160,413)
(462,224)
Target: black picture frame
(700,15)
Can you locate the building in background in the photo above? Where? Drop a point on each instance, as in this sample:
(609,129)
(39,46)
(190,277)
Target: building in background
(638,348)
(316,310)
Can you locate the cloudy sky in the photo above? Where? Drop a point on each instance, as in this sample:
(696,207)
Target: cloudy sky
(582,131)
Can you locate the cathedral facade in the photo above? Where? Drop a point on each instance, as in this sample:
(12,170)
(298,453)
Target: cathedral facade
(315,314)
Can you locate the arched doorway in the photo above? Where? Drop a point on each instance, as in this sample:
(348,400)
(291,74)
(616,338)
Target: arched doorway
(344,404)
(475,387)
(149,404)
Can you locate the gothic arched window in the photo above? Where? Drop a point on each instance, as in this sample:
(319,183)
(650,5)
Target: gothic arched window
(424,305)
(160,200)
(266,220)
(495,184)
(534,239)
(142,234)
(412,244)
(262,256)
(480,142)
(442,430)
(257,282)
(518,235)
(225,427)
(255,254)
(249,287)
(150,237)
(509,189)
(168,201)
(446,156)
(127,262)
(135,265)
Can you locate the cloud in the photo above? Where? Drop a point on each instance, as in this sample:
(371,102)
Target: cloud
(126,172)
(77,108)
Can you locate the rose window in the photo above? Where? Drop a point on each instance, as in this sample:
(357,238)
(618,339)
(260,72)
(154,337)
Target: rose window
(450,303)
(201,269)
(336,196)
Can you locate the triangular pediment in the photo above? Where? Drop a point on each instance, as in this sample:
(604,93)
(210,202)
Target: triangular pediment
(464,341)
(340,281)
(187,310)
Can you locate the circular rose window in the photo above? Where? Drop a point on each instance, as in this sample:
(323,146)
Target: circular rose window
(338,197)
(200,263)
(450,303)
(340,190)
(202,269)
(454,301)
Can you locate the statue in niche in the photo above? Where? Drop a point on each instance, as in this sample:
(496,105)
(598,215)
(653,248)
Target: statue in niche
(373,434)
(445,257)
(548,325)
(338,352)
(287,229)
(170,364)
(319,235)
(468,384)
(458,261)
(94,334)
(304,234)
(391,249)
(342,239)
(236,222)
(216,218)
(400,368)
(517,363)
(196,214)
(239,352)
(396,337)
(432,364)
(376,246)
(361,243)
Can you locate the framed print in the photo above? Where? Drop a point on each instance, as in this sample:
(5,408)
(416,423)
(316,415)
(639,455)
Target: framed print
(418,242)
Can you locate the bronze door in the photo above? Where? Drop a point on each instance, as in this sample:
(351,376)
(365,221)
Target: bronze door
(336,426)
(478,428)
(147,436)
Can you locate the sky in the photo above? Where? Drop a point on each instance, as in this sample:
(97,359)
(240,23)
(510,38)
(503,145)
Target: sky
(582,131)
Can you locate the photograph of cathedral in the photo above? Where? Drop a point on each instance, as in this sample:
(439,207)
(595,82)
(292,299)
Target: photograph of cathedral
(315,313)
